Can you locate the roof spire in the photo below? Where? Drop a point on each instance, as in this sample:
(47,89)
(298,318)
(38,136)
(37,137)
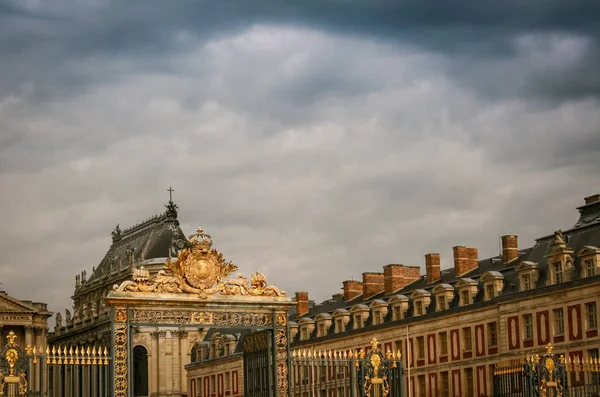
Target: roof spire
(171,211)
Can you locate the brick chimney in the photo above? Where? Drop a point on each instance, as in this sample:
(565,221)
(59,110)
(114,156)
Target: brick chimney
(432,268)
(510,248)
(396,277)
(465,259)
(302,302)
(352,289)
(372,284)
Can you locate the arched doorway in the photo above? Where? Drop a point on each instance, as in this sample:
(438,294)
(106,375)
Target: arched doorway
(140,371)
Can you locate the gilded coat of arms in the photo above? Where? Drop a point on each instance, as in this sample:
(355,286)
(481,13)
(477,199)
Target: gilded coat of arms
(198,269)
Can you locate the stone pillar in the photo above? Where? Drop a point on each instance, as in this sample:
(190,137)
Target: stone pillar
(184,360)
(153,370)
(175,362)
(28,335)
(162,363)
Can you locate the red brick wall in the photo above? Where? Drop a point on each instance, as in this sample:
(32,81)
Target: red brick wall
(372,284)
(397,276)
(432,267)
(302,301)
(352,289)
(510,248)
(465,259)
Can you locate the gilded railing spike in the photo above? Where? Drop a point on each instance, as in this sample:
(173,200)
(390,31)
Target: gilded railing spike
(388,354)
(350,355)
(94,361)
(89,361)
(53,354)
(105,362)
(361,354)
(48,361)
(596,364)
(77,362)
(71,360)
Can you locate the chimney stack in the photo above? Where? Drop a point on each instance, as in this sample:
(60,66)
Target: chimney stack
(352,289)
(465,259)
(302,303)
(432,268)
(372,284)
(510,248)
(396,277)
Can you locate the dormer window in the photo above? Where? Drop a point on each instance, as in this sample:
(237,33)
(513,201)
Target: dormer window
(528,275)
(590,257)
(307,326)
(493,283)
(323,322)
(421,299)
(489,292)
(443,295)
(399,305)
(341,318)
(360,314)
(558,272)
(559,260)
(379,308)
(467,290)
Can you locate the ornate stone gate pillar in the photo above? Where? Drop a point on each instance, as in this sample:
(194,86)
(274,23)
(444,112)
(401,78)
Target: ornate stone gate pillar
(281,353)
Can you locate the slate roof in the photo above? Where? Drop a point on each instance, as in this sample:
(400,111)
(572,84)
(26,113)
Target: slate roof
(586,232)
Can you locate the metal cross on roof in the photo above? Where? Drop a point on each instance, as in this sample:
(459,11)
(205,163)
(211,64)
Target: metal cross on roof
(170,190)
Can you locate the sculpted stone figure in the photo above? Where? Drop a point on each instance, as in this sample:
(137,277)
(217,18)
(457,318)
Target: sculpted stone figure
(58,320)
(69,320)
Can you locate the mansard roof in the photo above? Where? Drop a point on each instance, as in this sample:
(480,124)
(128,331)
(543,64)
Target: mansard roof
(584,236)
(151,239)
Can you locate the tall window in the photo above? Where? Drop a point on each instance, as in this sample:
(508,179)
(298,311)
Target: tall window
(592,317)
(489,291)
(559,321)
(303,333)
(322,329)
(526,282)
(421,384)
(492,334)
(445,392)
(441,302)
(227,381)
(467,339)
(397,312)
(465,298)
(528,325)
(590,268)
(358,323)
(419,308)
(558,272)
(339,325)
(444,343)
(377,317)
(469,381)
(421,347)
(199,386)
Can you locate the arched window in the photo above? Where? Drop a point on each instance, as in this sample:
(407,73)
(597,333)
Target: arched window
(140,371)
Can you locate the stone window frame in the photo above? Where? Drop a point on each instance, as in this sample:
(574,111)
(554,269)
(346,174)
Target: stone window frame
(342,315)
(399,305)
(528,326)
(591,316)
(443,338)
(469,285)
(306,326)
(323,323)
(492,333)
(379,310)
(531,269)
(360,315)
(420,298)
(445,291)
(493,282)
(589,254)
(558,321)
(464,338)
(562,255)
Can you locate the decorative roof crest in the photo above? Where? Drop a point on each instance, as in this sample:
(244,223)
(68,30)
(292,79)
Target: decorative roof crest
(198,269)
(116,234)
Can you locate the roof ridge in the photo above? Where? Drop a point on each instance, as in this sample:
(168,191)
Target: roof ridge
(147,222)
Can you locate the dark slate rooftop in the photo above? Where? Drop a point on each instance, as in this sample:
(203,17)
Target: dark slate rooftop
(586,232)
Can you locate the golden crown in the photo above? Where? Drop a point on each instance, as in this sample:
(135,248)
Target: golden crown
(141,274)
(200,240)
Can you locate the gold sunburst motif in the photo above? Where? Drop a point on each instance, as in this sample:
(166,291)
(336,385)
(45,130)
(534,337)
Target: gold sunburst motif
(198,269)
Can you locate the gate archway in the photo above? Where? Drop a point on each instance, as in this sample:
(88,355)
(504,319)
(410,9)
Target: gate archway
(196,289)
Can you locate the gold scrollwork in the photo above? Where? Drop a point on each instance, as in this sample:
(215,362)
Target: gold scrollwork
(120,343)
(281,342)
(121,315)
(199,270)
(205,317)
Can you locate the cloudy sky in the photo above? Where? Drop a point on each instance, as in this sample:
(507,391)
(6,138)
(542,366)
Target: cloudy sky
(314,140)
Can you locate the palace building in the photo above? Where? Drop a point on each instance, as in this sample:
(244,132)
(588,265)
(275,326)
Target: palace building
(453,326)
(159,353)
(26,319)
